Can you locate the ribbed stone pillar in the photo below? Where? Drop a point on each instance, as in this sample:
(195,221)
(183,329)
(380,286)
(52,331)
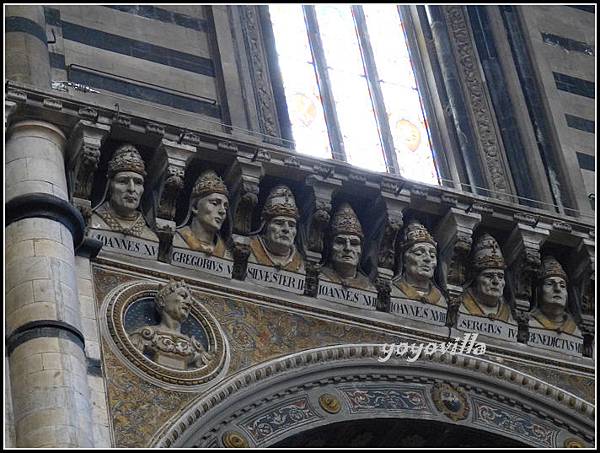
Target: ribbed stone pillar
(27,57)
(48,373)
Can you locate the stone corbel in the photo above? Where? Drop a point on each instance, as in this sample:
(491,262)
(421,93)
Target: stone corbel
(243,179)
(167,173)
(455,238)
(584,284)
(396,203)
(522,255)
(83,156)
(319,209)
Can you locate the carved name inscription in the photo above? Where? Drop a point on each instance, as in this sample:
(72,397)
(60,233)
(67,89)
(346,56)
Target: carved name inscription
(554,341)
(419,311)
(202,262)
(273,278)
(485,326)
(352,296)
(126,245)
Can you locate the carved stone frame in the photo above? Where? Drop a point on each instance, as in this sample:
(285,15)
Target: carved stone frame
(112,327)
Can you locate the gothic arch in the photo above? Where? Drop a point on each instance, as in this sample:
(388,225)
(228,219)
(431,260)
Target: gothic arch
(272,401)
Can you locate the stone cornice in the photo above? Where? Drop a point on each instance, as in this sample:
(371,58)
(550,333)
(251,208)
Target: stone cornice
(33,103)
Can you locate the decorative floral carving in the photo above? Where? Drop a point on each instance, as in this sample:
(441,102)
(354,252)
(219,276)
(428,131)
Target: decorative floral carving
(263,155)
(384,291)
(54,104)
(318,224)
(418,192)
(381,397)
(154,128)
(290,415)
(122,120)
(478,102)
(525,218)
(561,226)
(312,278)
(88,113)
(330,403)
(173,183)
(16,95)
(574,443)
(514,423)
(259,70)
(460,249)
(453,300)
(449,200)
(83,174)
(242,219)
(165,237)
(227,146)
(387,246)
(450,401)
(357,178)
(482,208)
(241,253)
(190,139)
(233,439)
(324,171)
(292,162)
(390,186)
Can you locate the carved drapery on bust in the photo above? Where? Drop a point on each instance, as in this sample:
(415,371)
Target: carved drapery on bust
(419,261)
(484,296)
(275,244)
(208,208)
(119,211)
(551,310)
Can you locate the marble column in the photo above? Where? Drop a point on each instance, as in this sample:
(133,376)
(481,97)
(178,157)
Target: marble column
(48,372)
(27,57)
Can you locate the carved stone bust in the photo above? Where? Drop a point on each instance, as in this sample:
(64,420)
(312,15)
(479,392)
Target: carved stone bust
(419,260)
(551,311)
(346,236)
(209,203)
(275,244)
(484,296)
(165,344)
(119,211)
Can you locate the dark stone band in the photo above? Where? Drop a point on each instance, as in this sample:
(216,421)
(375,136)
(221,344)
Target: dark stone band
(44,329)
(89,248)
(94,367)
(24,25)
(42,205)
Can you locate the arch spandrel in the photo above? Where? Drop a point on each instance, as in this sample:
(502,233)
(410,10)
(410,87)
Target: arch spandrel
(264,339)
(267,403)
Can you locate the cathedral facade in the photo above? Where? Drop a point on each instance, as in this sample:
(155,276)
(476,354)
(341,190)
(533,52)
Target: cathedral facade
(178,274)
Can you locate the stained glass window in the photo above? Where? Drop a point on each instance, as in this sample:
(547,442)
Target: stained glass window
(299,80)
(339,53)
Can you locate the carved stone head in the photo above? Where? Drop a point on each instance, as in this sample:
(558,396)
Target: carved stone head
(280,216)
(209,202)
(488,266)
(553,285)
(126,173)
(173,302)
(346,236)
(419,253)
